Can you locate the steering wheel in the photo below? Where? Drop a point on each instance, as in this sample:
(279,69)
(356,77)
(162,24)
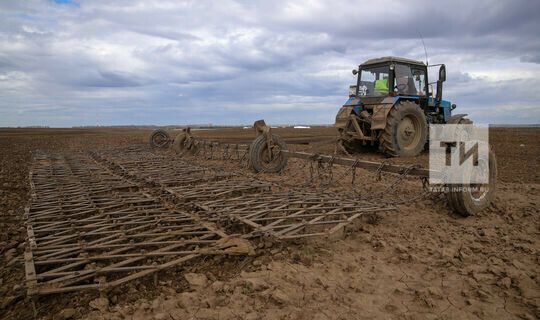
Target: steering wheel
(401,87)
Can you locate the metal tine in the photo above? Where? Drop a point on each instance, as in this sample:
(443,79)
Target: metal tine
(105,219)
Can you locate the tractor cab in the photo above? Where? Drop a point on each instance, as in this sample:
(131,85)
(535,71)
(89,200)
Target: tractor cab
(402,79)
(391,106)
(391,76)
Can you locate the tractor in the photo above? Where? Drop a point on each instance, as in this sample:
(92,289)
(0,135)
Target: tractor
(391,107)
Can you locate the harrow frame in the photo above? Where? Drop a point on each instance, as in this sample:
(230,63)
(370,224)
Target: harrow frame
(101,219)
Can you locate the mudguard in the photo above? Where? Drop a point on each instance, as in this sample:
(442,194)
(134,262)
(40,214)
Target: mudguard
(342,116)
(378,119)
(455,118)
(380,112)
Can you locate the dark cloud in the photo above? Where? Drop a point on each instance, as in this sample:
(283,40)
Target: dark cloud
(160,62)
(107,79)
(534,58)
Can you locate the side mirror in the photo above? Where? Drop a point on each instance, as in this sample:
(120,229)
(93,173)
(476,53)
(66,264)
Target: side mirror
(352,91)
(442,73)
(355,72)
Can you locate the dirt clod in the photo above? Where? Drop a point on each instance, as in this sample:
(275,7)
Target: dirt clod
(196,280)
(423,262)
(101,304)
(68,313)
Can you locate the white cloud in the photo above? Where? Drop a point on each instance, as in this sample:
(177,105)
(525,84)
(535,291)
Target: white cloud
(230,60)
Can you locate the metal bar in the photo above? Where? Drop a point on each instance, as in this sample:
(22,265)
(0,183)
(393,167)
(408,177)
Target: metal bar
(80,210)
(364,164)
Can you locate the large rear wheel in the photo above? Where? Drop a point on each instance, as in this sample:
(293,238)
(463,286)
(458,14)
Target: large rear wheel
(405,133)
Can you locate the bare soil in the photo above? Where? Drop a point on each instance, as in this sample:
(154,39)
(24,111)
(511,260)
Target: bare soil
(421,262)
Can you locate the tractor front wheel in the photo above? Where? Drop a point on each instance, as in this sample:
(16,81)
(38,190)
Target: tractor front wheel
(350,146)
(406,131)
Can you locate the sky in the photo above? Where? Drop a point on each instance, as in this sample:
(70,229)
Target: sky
(132,62)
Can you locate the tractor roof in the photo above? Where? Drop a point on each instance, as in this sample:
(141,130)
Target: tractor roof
(392,59)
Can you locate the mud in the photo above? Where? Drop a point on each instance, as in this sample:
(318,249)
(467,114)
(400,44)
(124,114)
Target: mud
(421,262)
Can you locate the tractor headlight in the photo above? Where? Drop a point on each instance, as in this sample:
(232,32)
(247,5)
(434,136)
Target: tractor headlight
(352,91)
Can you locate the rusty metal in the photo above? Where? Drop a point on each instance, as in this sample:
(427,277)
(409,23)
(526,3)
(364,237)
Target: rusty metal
(100,220)
(357,163)
(163,170)
(221,190)
(288,215)
(268,209)
(88,228)
(185,181)
(263,130)
(216,150)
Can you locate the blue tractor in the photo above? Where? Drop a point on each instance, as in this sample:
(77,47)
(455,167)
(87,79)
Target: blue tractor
(391,107)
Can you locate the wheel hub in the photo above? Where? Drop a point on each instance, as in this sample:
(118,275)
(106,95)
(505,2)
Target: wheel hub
(269,156)
(160,139)
(408,132)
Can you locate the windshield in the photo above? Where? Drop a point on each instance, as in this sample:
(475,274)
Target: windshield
(373,81)
(409,81)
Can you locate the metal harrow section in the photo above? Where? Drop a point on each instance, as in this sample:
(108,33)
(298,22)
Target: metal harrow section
(186,182)
(267,209)
(157,169)
(220,190)
(222,150)
(91,229)
(95,221)
(288,215)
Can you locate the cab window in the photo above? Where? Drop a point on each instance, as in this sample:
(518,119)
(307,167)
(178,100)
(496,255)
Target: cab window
(373,81)
(419,77)
(404,80)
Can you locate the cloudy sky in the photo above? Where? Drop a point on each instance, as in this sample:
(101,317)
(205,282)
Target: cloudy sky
(111,62)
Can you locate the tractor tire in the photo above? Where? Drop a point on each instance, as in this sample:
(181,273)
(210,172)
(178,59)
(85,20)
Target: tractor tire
(178,145)
(160,139)
(351,146)
(460,121)
(259,155)
(406,130)
(462,133)
(467,202)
